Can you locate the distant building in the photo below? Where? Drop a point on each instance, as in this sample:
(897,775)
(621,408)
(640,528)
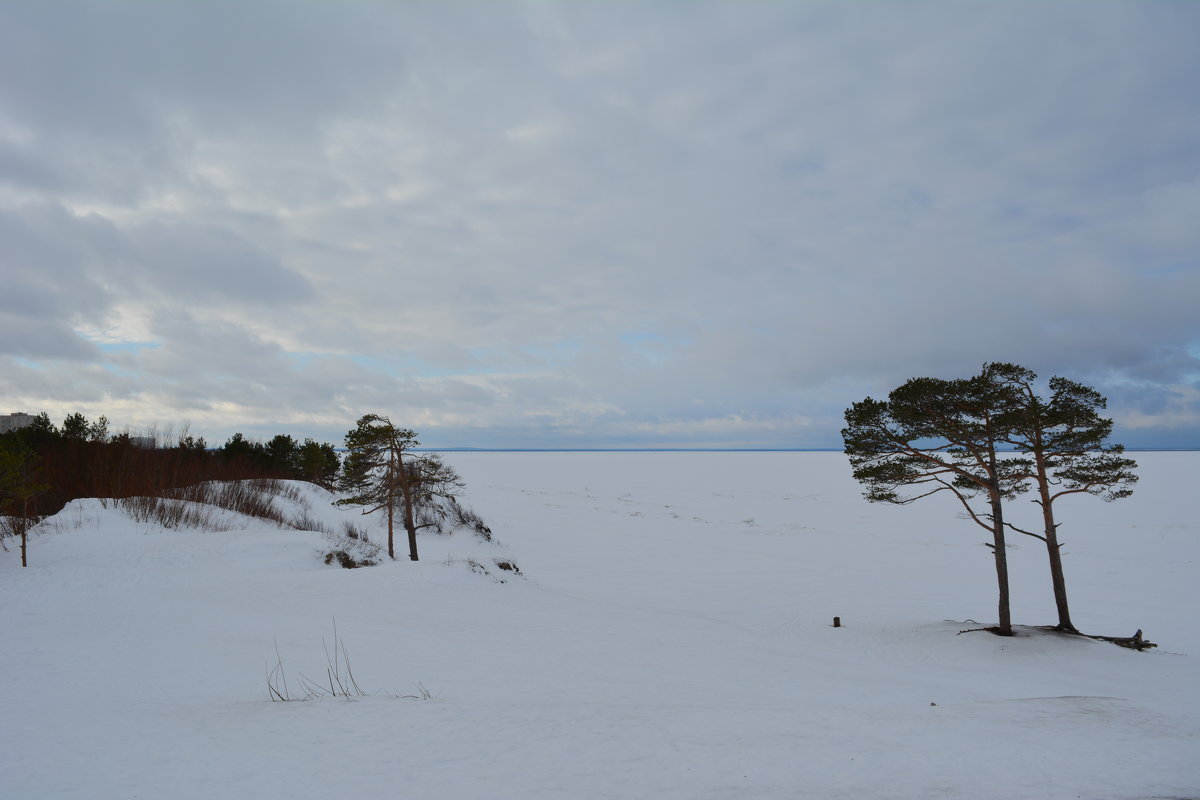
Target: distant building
(15,421)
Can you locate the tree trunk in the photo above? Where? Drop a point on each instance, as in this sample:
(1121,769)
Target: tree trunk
(391,502)
(391,508)
(24,531)
(994,497)
(1053,549)
(1005,628)
(1059,582)
(410,523)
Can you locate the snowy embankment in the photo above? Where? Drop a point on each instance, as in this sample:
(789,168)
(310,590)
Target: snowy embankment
(671,638)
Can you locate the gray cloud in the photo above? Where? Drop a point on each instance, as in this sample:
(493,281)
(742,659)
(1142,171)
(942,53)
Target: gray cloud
(568,223)
(37,339)
(212,264)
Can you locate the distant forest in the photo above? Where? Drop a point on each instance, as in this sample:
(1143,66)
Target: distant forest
(46,466)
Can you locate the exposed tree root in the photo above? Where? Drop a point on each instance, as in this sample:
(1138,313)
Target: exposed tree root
(1135,642)
(993,629)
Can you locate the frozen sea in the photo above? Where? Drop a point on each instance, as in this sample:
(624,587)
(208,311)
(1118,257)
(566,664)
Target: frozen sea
(670,637)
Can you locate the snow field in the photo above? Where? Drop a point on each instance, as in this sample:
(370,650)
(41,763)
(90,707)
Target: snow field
(670,638)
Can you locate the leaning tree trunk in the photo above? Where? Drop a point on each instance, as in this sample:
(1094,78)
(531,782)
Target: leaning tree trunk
(1059,582)
(1054,550)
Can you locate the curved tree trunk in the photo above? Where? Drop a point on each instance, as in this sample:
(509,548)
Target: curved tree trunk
(1059,582)
(1053,550)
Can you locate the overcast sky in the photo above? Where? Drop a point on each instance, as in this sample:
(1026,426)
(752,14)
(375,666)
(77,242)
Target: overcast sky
(597,224)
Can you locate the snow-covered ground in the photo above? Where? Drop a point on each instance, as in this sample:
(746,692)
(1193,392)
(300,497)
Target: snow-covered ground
(671,638)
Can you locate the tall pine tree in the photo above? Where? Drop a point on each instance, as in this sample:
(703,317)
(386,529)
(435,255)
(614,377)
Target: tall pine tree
(1063,437)
(934,436)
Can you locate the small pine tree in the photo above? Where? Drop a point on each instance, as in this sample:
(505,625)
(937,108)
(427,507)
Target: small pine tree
(76,427)
(19,486)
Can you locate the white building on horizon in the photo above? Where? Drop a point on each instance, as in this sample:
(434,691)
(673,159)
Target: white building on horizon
(15,421)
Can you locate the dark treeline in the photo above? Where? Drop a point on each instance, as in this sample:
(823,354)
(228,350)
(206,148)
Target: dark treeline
(55,465)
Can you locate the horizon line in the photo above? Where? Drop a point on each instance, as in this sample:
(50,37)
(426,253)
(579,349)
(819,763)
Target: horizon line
(710,450)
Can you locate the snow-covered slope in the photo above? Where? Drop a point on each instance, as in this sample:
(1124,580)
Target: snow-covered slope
(670,638)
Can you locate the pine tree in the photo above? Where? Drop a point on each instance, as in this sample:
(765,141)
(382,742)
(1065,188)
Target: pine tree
(318,462)
(1064,439)
(933,436)
(19,487)
(380,473)
(76,427)
(373,472)
(282,456)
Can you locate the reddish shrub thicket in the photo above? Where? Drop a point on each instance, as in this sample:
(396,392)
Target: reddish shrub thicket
(70,469)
